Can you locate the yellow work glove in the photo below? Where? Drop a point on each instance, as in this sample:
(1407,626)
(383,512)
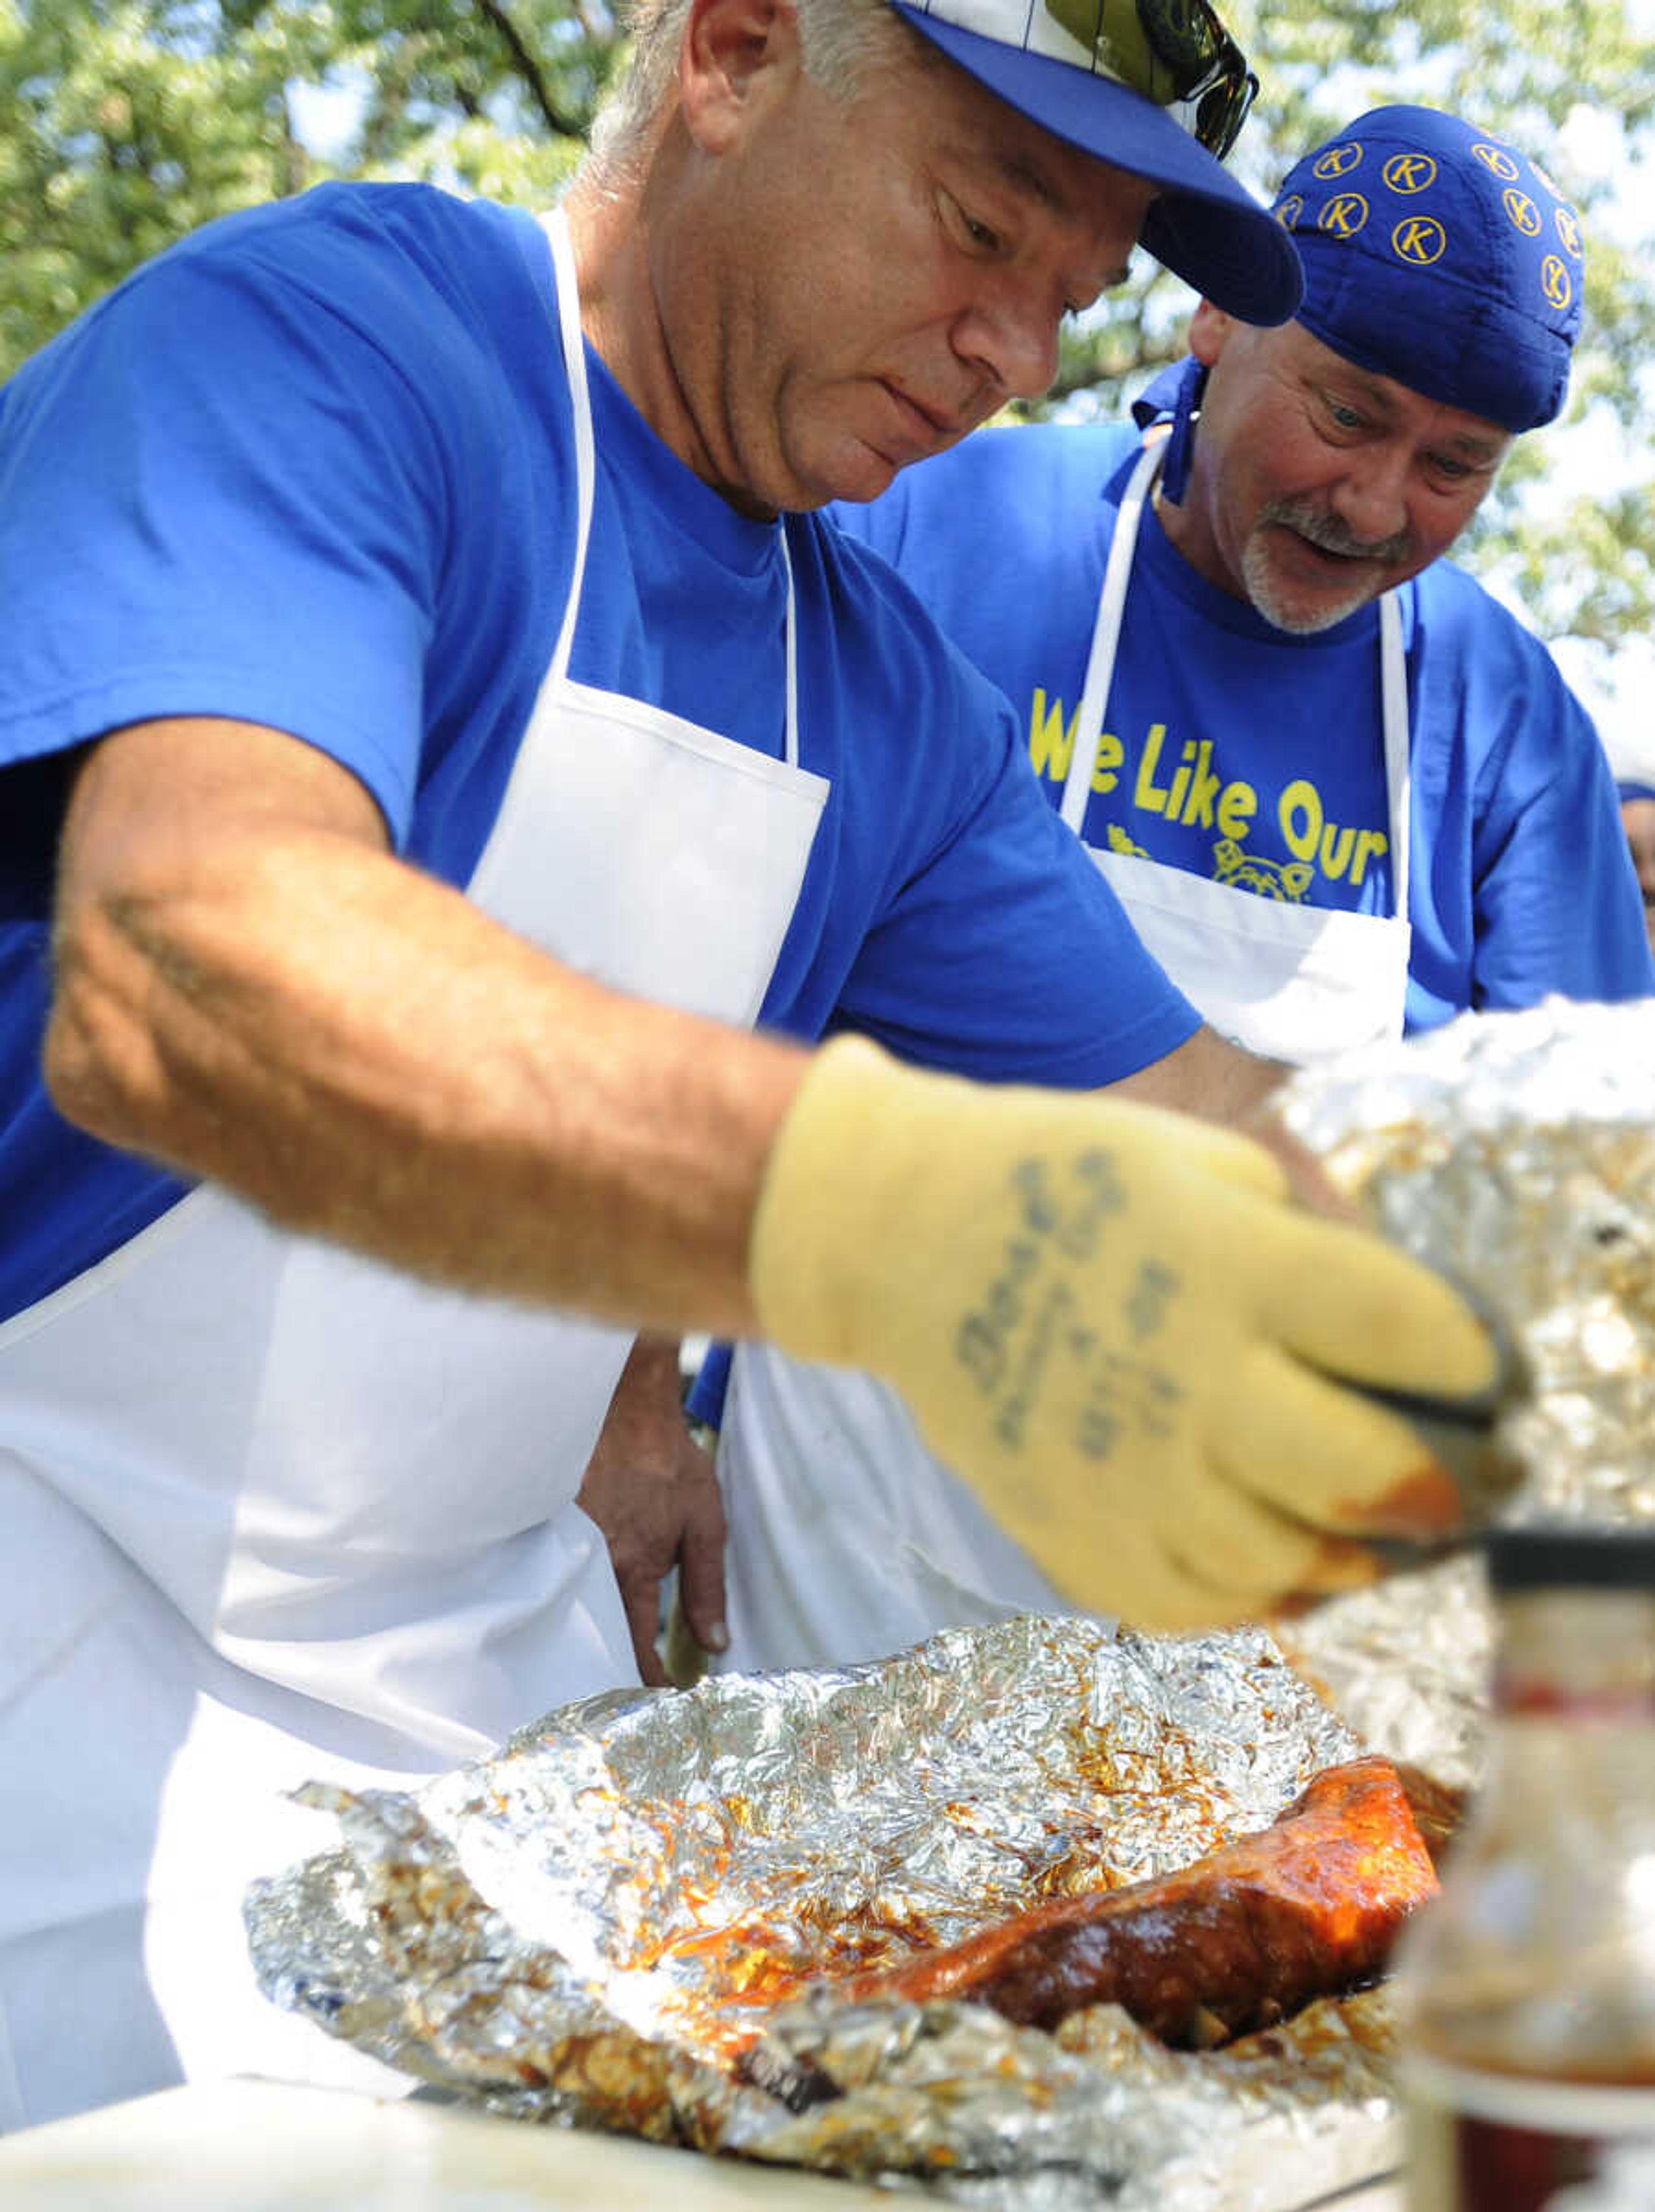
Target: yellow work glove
(1112,1321)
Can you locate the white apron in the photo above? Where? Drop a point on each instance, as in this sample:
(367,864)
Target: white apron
(1297,983)
(277,1512)
(848,1539)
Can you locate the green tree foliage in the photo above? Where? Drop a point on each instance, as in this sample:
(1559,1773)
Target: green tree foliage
(124,123)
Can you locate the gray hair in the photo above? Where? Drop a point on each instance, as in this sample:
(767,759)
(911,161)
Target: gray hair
(842,43)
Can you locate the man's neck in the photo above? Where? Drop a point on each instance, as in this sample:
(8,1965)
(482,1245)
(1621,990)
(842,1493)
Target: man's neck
(1181,529)
(1173,519)
(609,229)
(617,309)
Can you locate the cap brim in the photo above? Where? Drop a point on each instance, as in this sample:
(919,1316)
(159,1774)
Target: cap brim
(1204,226)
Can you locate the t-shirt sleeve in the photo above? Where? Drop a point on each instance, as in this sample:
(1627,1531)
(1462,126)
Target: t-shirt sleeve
(1557,906)
(244,507)
(1005,955)
(706,1401)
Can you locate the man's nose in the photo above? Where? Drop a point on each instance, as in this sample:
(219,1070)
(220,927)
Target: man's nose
(1370,497)
(1011,337)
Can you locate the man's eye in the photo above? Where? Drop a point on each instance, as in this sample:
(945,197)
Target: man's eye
(1343,417)
(1450,469)
(981,237)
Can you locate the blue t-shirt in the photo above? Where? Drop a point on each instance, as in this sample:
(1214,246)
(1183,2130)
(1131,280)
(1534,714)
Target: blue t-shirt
(1256,759)
(315,468)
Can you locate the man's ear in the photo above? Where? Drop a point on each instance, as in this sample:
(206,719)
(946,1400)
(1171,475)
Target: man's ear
(735,53)
(1210,330)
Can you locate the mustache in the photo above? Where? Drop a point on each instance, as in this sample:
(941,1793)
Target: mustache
(1328,533)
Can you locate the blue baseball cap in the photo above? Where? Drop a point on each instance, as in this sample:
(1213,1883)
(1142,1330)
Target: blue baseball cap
(1632,762)
(1437,254)
(1108,77)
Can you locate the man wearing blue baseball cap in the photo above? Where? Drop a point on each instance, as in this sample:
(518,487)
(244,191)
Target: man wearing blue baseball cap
(1339,790)
(1632,762)
(434,730)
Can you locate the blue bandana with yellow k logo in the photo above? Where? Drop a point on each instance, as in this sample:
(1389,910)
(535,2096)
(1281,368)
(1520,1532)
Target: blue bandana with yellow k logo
(1438,254)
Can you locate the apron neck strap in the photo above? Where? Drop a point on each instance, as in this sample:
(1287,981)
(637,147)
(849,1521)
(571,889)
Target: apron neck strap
(1105,634)
(1398,774)
(791,744)
(556,227)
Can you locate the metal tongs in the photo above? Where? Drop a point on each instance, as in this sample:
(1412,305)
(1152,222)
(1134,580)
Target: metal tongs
(1466,1437)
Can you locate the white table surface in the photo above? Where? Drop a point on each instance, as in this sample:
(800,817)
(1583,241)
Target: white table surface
(261,2147)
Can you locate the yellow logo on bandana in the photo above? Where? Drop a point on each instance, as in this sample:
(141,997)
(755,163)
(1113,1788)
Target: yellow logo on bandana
(1338,160)
(1497,161)
(1522,211)
(1344,215)
(1555,281)
(1408,172)
(1422,240)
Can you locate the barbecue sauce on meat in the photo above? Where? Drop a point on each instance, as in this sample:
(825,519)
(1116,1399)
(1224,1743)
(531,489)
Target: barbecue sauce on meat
(1236,1941)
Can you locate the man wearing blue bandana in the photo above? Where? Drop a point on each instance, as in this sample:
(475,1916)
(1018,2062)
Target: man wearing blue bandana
(1340,793)
(436,729)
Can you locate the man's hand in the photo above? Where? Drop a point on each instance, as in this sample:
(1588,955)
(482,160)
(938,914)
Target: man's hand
(1112,1321)
(654,1494)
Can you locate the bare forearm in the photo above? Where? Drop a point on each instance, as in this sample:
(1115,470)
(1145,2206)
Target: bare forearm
(366,1055)
(1209,1076)
(1222,1082)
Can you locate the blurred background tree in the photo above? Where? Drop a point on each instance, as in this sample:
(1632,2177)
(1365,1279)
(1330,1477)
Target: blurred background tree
(124,123)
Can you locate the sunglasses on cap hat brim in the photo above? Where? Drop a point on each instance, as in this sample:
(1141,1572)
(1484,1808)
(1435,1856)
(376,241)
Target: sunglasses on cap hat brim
(1211,88)
(1176,53)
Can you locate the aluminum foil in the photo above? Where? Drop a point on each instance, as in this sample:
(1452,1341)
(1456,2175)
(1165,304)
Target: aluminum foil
(1517,1152)
(578,1929)
(582,1929)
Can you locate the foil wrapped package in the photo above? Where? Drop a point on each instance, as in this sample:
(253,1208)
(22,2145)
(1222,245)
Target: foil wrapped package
(614,1922)
(1515,1151)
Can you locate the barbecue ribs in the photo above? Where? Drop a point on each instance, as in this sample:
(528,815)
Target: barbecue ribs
(1235,1941)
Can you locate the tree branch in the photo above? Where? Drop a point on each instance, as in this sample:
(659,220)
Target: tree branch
(561,125)
(597,34)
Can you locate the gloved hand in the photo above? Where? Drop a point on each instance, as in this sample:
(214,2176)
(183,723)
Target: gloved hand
(1110,1321)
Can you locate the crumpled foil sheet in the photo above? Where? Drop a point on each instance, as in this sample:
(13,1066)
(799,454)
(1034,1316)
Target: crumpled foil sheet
(575,1929)
(1516,1151)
